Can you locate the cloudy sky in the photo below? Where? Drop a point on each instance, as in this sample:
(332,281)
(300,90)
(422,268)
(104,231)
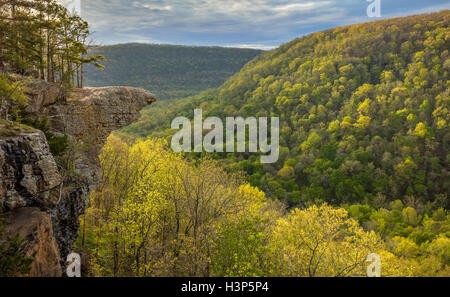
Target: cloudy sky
(239,23)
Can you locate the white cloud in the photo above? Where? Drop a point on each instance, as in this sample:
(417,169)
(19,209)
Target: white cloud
(256,23)
(253,46)
(194,14)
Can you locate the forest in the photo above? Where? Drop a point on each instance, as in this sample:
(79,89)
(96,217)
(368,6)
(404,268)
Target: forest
(363,167)
(359,123)
(364,115)
(171,71)
(43,39)
(156,213)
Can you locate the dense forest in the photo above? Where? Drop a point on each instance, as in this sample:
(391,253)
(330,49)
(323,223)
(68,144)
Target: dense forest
(169,71)
(363,113)
(158,214)
(43,39)
(363,164)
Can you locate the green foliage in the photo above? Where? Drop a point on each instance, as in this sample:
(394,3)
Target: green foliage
(158,214)
(12,97)
(167,70)
(13,262)
(240,250)
(12,91)
(364,113)
(321,241)
(419,237)
(41,38)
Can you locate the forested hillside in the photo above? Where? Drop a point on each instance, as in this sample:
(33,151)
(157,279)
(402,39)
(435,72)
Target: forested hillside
(170,71)
(363,168)
(363,113)
(156,213)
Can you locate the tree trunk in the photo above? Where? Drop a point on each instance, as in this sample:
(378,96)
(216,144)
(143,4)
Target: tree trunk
(81,86)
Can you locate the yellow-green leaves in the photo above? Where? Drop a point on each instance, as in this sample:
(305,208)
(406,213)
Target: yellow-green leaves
(321,241)
(156,213)
(421,130)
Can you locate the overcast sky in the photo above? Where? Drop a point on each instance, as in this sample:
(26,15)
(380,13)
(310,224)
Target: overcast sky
(261,24)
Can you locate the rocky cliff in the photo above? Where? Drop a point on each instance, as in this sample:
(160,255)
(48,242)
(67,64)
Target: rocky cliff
(41,198)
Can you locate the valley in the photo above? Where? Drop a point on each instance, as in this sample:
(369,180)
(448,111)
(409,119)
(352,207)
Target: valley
(153,160)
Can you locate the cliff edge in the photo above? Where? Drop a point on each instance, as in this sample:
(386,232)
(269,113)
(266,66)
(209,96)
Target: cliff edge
(41,197)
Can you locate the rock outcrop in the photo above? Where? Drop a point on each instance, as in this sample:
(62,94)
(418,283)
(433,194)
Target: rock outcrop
(35,227)
(89,115)
(41,93)
(32,185)
(28,172)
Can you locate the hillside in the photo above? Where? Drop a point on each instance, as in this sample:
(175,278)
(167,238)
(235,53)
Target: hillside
(172,71)
(363,112)
(365,128)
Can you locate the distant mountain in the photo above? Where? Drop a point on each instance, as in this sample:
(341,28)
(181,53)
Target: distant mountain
(169,71)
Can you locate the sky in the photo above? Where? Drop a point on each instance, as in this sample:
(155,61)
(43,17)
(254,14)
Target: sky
(263,24)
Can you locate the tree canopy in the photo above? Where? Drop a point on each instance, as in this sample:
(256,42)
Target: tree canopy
(169,71)
(364,114)
(41,38)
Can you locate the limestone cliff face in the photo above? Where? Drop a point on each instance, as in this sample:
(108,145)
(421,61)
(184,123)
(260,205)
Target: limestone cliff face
(35,227)
(29,182)
(32,185)
(90,115)
(28,173)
